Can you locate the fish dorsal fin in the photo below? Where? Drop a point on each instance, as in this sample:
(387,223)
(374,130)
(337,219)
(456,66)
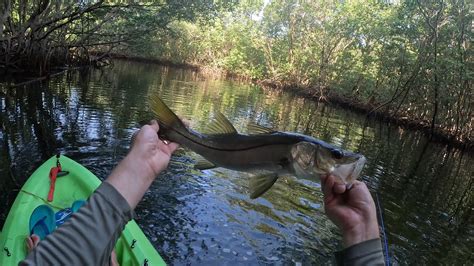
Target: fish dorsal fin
(163,112)
(261,184)
(255,129)
(220,125)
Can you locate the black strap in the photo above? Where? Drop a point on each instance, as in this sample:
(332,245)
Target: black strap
(7,251)
(57,160)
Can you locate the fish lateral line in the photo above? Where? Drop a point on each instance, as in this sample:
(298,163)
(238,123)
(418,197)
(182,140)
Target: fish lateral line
(229,150)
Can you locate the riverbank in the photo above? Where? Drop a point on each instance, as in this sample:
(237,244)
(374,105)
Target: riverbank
(162,62)
(365,108)
(369,110)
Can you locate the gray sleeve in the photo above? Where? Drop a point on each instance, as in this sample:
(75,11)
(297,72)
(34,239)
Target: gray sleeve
(89,236)
(365,253)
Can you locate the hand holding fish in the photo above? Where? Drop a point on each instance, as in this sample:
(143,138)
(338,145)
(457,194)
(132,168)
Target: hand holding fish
(352,210)
(148,156)
(152,153)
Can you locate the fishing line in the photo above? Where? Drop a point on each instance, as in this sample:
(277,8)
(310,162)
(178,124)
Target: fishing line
(384,235)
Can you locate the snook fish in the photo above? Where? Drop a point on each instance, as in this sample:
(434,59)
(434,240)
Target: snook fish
(266,151)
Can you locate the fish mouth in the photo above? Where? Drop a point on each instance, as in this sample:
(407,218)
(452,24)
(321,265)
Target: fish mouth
(348,173)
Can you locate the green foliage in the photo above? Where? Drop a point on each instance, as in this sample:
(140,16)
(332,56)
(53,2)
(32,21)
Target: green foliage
(410,58)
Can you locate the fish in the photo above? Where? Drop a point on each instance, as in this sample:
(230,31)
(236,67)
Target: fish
(268,153)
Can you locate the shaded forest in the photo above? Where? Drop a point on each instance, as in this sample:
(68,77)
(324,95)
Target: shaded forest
(406,60)
(37,36)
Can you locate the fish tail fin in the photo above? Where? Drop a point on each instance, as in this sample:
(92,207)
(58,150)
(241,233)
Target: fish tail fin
(164,114)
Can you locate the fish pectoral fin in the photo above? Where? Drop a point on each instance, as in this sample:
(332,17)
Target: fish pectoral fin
(203,164)
(261,183)
(255,129)
(220,125)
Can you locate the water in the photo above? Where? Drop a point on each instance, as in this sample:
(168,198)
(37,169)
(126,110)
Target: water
(207,217)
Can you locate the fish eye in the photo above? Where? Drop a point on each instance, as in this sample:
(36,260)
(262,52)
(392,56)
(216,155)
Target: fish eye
(338,154)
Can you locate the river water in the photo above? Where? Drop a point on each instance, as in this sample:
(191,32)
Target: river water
(425,190)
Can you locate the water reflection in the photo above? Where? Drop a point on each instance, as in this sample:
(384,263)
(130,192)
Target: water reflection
(207,217)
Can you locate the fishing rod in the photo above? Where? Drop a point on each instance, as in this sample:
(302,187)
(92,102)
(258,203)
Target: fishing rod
(384,235)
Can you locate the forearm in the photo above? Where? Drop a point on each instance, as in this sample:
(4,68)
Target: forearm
(361,232)
(89,236)
(131,179)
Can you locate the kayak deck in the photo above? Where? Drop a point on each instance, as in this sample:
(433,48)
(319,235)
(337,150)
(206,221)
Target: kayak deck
(78,184)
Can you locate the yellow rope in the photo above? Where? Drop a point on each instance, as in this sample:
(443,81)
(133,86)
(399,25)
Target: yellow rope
(40,198)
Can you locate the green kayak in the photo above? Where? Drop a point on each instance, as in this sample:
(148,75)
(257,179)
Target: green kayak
(132,248)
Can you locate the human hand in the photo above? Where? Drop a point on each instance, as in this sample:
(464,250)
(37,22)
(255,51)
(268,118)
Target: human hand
(147,157)
(352,210)
(150,152)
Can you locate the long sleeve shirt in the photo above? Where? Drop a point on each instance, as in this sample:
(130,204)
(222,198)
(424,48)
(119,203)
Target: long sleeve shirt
(89,236)
(365,253)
